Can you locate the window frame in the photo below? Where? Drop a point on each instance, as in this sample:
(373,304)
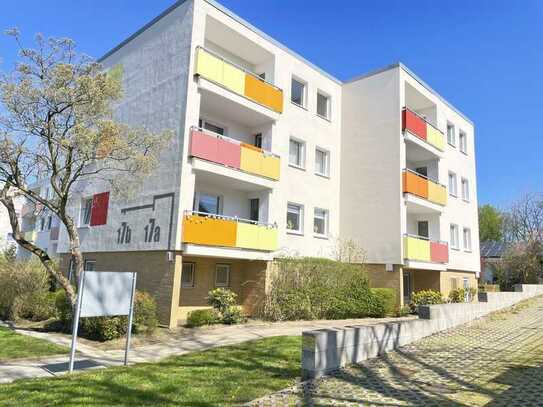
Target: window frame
(453,143)
(455,184)
(196,204)
(193,272)
(467,247)
(297,79)
(326,153)
(454,236)
(302,144)
(89,261)
(326,221)
(202,124)
(465,190)
(300,230)
(228,268)
(462,145)
(82,212)
(326,95)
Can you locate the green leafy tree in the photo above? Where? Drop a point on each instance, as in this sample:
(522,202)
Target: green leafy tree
(490,223)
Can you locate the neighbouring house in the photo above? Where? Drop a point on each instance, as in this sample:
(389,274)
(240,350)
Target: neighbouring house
(492,253)
(274,156)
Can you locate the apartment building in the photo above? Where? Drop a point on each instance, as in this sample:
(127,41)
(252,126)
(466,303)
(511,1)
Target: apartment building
(273,156)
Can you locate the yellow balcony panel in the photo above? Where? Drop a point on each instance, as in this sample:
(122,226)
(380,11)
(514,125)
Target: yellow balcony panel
(251,160)
(209,66)
(247,236)
(234,79)
(435,137)
(30,236)
(267,238)
(416,249)
(209,231)
(271,166)
(437,193)
(263,93)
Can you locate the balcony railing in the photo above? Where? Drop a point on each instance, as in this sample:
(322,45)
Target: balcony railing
(420,248)
(234,154)
(226,231)
(423,187)
(422,129)
(215,68)
(30,236)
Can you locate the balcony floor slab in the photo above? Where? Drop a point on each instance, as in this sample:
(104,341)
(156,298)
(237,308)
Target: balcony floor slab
(225,252)
(421,265)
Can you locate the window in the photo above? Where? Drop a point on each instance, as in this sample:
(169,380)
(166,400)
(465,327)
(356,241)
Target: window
(42,224)
(454,283)
(86,209)
(254,209)
(422,171)
(323,105)
(451,136)
(258,140)
(90,265)
(452,184)
(295,217)
(297,92)
(204,124)
(322,161)
(320,222)
(49,222)
(455,244)
(222,275)
(262,75)
(465,189)
(463,142)
(467,239)
(208,203)
(187,275)
(297,153)
(422,228)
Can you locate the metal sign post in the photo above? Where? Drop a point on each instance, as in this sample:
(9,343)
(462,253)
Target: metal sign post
(130,316)
(75,320)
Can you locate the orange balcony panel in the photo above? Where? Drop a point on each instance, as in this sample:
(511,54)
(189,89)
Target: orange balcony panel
(413,123)
(209,231)
(263,93)
(415,185)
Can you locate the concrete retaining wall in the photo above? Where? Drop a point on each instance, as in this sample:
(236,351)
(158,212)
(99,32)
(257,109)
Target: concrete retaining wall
(326,350)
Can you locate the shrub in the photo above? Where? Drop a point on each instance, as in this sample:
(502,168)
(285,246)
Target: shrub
(233,315)
(387,299)
(24,289)
(425,297)
(221,299)
(403,311)
(145,313)
(202,317)
(460,294)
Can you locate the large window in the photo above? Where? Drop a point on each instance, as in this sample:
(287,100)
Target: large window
(323,105)
(322,162)
(451,136)
(297,153)
(86,209)
(463,142)
(204,124)
(465,189)
(295,214)
(208,203)
(467,239)
(454,238)
(254,209)
(320,222)
(89,265)
(298,92)
(222,275)
(187,275)
(453,184)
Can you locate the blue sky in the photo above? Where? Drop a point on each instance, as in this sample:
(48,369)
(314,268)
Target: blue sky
(484,56)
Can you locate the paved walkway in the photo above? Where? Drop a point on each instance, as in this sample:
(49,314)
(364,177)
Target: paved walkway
(494,361)
(187,341)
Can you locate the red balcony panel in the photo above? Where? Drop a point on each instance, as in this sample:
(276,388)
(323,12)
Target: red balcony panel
(414,124)
(439,252)
(229,153)
(204,146)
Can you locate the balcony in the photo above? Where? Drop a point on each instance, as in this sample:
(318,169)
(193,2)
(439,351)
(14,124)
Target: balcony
(225,231)
(423,187)
(422,129)
(417,248)
(30,236)
(53,234)
(233,154)
(228,75)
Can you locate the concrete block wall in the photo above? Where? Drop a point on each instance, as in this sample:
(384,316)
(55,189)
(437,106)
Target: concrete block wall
(326,350)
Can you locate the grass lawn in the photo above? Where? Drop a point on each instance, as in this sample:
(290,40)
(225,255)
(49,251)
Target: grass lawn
(228,375)
(14,346)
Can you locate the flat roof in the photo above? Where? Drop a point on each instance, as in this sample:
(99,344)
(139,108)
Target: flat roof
(245,23)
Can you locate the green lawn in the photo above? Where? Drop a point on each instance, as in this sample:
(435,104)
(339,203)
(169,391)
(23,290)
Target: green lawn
(14,346)
(228,375)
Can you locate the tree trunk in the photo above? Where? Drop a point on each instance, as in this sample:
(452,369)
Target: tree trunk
(48,264)
(75,246)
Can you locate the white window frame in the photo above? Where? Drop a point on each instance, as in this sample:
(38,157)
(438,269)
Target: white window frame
(328,115)
(82,222)
(227,268)
(453,187)
(197,196)
(325,217)
(464,185)
(451,140)
(87,262)
(304,92)
(454,237)
(326,162)
(466,232)
(300,166)
(300,229)
(463,141)
(205,121)
(192,271)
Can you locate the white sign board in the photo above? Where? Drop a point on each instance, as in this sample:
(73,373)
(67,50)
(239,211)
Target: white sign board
(106,293)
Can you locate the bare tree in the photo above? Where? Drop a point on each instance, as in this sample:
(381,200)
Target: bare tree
(524,221)
(57,125)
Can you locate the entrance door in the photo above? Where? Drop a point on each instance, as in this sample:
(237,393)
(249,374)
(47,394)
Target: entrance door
(407,287)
